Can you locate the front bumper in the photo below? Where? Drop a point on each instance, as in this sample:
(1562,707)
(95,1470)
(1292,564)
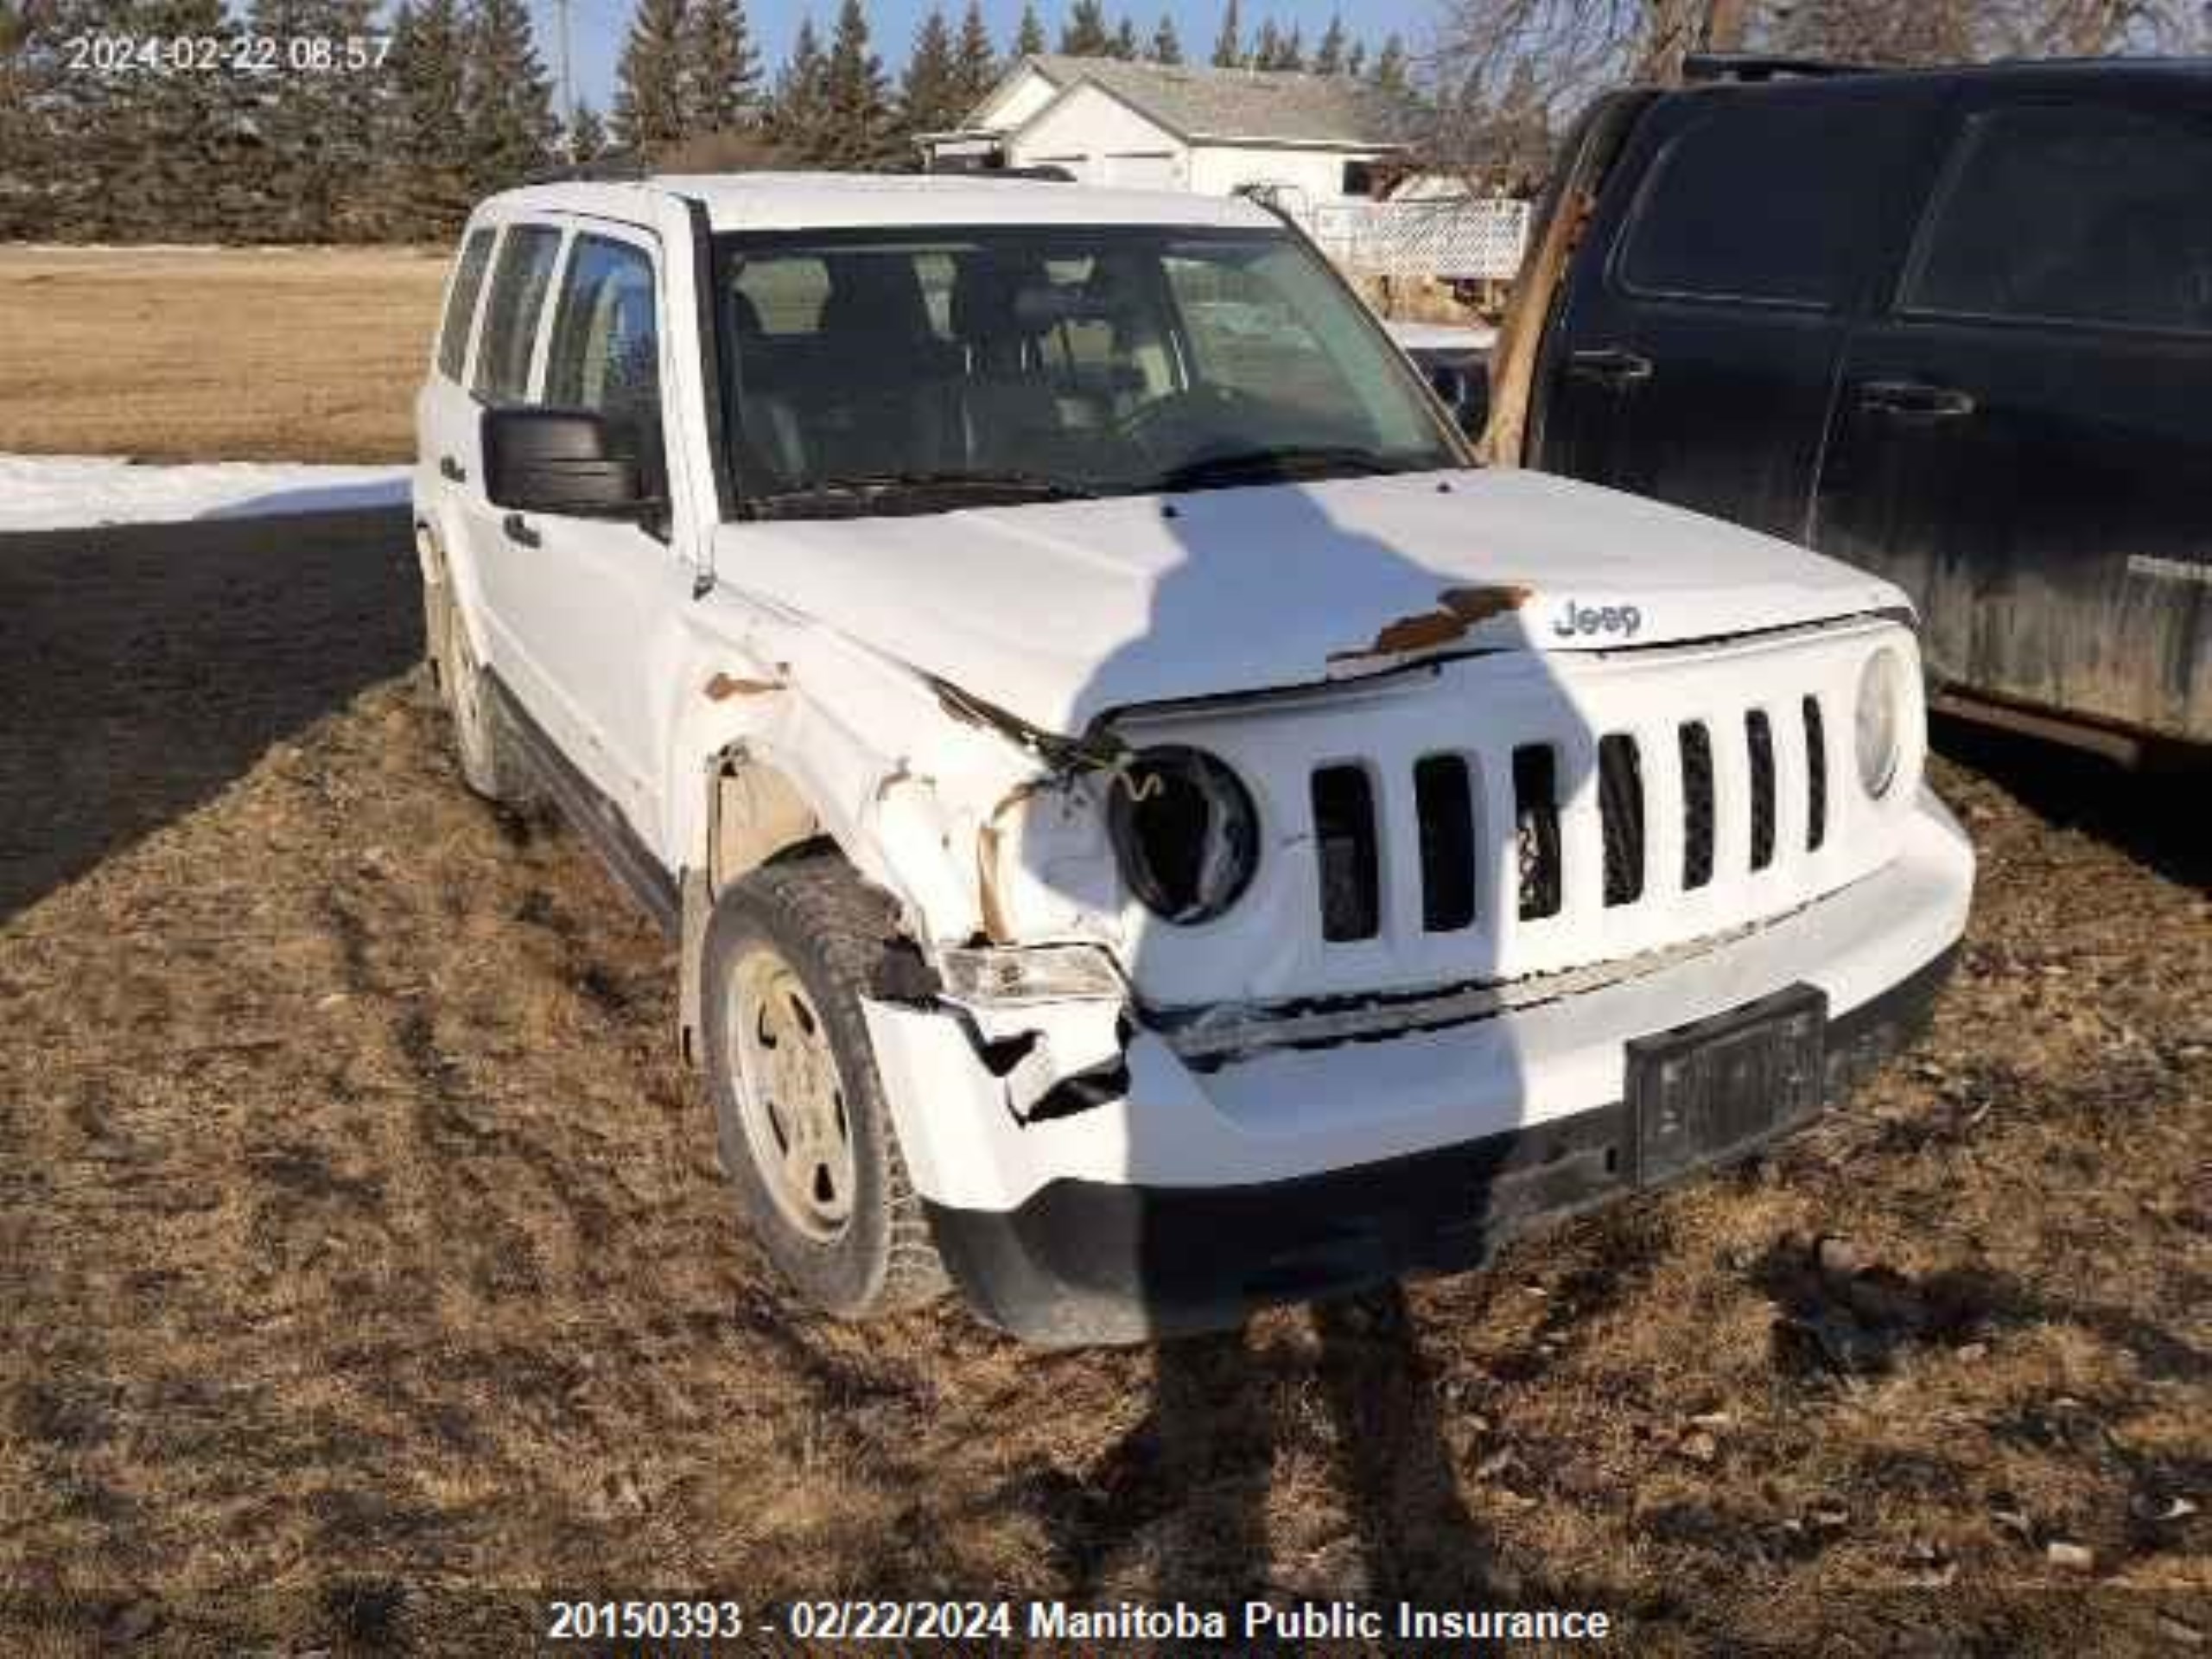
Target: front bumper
(1085,1262)
(1295,1173)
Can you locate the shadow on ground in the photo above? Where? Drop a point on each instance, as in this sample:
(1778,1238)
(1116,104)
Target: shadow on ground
(147,665)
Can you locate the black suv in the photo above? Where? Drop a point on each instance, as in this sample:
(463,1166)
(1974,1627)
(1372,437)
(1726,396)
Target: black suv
(1953,326)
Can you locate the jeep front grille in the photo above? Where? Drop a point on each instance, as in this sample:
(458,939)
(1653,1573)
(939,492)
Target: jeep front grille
(1490,819)
(1350,836)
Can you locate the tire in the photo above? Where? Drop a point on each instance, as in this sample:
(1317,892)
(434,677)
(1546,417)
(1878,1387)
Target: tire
(485,743)
(847,1228)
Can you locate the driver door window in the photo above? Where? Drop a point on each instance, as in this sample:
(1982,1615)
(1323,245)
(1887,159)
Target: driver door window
(606,352)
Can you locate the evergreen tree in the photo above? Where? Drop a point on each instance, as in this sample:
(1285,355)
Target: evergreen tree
(929,93)
(425,158)
(722,71)
(1266,51)
(184,178)
(650,102)
(1329,55)
(1029,38)
(1085,35)
(975,60)
(798,114)
(1124,45)
(1390,71)
(510,102)
(858,132)
(1167,46)
(1293,55)
(1229,45)
(588,137)
(1356,59)
(316,128)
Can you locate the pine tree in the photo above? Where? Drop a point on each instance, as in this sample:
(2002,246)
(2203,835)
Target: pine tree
(425,157)
(1390,71)
(649,80)
(1124,45)
(975,60)
(858,133)
(1266,51)
(1166,45)
(1293,55)
(798,113)
(1229,45)
(1029,38)
(510,102)
(588,137)
(1085,35)
(1356,59)
(316,128)
(929,93)
(1329,55)
(184,170)
(721,70)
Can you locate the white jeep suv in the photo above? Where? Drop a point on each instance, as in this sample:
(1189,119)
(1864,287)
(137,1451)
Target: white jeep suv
(1152,829)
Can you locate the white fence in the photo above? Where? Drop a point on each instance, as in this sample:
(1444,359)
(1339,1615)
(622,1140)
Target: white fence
(1447,238)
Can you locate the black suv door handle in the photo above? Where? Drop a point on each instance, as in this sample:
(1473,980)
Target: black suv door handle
(452,471)
(1609,366)
(519,530)
(1911,400)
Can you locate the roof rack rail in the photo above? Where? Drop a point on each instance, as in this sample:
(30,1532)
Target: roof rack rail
(1702,67)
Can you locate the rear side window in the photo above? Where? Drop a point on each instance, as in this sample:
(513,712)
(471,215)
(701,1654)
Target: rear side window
(461,304)
(1764,204)
(605,350)
(518,283)
(2072,214)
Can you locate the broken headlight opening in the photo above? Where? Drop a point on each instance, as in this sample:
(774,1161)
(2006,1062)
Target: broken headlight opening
(1880,721)
(1185,832)
(1037,973)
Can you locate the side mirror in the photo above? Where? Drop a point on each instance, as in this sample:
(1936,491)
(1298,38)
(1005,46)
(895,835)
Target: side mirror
(556,460)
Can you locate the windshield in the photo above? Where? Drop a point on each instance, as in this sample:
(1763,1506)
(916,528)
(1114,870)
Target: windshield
(913,371)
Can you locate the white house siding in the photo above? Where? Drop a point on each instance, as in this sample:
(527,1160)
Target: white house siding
(1102,141)
(1028,93)
(1317,174)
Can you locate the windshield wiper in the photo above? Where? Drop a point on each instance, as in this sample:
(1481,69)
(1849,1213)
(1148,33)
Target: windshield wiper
(1265,466)
(856,491)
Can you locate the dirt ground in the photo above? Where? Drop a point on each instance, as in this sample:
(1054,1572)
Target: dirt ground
(215,354)
(365,1270)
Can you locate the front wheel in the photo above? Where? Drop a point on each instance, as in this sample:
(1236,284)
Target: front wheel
(806,1136)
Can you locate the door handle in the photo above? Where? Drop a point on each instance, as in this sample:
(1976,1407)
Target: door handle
(518,530)
(1911,400)
(1609,366)
(452,471)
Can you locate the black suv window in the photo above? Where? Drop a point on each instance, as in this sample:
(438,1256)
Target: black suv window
(1764,204)
(518,284)
(606,350)
(2061,214)
(461,304)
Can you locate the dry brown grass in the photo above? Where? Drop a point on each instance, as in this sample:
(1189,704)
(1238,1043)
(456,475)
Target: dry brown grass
(363,1252)
(215,354)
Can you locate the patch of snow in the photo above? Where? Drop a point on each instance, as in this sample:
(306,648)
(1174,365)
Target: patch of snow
(1443,336)
(73,491)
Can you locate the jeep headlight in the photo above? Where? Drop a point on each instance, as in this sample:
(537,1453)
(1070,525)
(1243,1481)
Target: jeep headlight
(1880,720)
(1184,831)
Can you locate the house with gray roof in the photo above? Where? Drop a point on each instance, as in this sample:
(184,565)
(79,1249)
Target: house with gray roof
(1317,139)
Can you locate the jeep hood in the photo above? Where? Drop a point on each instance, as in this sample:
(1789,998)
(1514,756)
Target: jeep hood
(1060,612)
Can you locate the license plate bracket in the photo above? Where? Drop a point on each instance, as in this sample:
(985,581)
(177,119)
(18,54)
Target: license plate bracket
(1704,1093)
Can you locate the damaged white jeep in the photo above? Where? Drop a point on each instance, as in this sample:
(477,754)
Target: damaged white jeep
(1152,830)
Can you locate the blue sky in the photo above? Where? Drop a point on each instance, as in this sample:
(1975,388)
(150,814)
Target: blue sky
(597,26)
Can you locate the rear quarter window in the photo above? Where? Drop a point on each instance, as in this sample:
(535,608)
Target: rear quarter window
(1761,204)
(520,278)
(460,304)
(2077,214)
